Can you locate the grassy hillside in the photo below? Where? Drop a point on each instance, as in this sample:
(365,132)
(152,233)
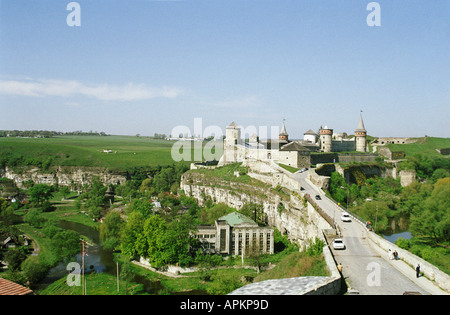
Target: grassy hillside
(87,151)
(425,146)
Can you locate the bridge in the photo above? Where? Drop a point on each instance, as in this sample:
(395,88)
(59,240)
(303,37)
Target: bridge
(366,266)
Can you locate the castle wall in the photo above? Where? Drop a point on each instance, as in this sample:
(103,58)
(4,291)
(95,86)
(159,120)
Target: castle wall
(295,159)
(343,145)
(341,157)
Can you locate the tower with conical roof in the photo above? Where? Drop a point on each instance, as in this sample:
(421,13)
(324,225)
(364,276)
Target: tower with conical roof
(360,136)
(283,136)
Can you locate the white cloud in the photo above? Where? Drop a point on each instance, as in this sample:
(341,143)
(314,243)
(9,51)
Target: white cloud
(67,88)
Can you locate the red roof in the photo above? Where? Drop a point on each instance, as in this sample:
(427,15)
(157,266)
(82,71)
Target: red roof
(10,288)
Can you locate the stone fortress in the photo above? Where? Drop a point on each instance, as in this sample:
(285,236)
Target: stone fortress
(296,153)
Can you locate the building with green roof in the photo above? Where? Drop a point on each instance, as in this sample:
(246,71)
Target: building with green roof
(236,234)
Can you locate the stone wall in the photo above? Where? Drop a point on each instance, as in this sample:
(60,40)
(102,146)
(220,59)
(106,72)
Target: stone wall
(430,271)
(407,177)
(343,145)
(342,157)
(272,174)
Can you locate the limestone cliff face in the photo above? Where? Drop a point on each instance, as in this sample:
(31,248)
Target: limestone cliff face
(289,215)
(63,176)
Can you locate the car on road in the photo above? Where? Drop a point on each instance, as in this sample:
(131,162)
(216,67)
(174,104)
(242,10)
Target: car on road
(338,243)
(345,217)
(318,197)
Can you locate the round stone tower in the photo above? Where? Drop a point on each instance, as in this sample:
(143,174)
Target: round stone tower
(326,135)
(360,136)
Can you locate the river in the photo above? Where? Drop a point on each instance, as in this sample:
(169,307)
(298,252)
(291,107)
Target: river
(98,259)
(393,237)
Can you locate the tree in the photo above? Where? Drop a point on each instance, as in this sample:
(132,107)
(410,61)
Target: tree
(210,215)
(6,213)
(142,205)
(40,193)
(33,269)
(96,198)
(179,240)
(110,230)
(133,242)
(34,217)
(434,218)
(66,244)
(375,212)
(255,212)
(154,231)
(147,187)
(338,187)
(65,191)
(14,258)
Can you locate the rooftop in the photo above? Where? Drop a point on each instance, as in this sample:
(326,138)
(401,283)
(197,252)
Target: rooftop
(10,288)
(360,126)
(236,218)
(293,146)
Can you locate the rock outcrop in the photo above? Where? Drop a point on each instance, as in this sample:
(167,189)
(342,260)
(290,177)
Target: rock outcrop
(63,176)
(289,214)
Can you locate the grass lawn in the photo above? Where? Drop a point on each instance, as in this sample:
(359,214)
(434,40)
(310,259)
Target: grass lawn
(425,146)
(87,151)
(289,168)
(96,284)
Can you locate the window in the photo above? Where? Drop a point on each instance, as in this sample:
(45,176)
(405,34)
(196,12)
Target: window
(261,242)
(233,243)
(268,242)
(223,239)
(240,244)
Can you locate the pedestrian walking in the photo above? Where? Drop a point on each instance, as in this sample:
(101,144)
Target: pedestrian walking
(390,254)
(339,267)
(417,271)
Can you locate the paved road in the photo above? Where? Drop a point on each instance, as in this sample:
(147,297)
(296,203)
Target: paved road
(365,270)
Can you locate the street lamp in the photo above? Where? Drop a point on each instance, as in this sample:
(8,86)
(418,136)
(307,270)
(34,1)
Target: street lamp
(117,268)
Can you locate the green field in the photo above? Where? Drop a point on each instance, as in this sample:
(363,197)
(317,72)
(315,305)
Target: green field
(87,151)
(426,146)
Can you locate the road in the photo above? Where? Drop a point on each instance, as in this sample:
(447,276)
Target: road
(364,269)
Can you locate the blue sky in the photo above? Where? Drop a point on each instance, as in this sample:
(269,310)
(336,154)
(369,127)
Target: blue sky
(148,66)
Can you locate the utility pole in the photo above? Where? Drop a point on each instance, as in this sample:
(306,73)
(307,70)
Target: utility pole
(117,267)
(376,219)
(83,280)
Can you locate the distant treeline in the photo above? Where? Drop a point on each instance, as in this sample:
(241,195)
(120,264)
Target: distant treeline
(47,133)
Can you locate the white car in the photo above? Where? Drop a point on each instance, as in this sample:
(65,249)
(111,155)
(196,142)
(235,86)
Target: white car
(345,217)
(338,243)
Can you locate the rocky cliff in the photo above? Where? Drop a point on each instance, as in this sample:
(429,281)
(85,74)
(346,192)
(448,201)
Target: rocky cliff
(289,214)
(75,177)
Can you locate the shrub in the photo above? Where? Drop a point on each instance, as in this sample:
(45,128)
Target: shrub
(403,243)
(315,248)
